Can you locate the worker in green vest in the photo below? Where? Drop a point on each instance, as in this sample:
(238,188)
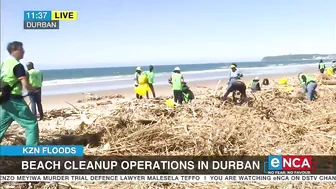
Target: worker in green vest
(150,78)
(13,74)
(321,66)
(254,84)
(176,79)
(309,85)
(35,77)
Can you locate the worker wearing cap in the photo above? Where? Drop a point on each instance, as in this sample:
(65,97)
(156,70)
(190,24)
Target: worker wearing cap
(235,74)
(309,85)
(321,66)
(35,77)
(136,80)
(176,79)
(254,84)
(150,78)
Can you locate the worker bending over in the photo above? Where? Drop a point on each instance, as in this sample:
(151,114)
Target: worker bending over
(332,69)
(254,84)
(237,85)
(309,85)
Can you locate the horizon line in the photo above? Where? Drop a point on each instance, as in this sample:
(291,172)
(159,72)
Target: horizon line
(127,66)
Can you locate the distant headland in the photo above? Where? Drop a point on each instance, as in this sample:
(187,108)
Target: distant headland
(292,57)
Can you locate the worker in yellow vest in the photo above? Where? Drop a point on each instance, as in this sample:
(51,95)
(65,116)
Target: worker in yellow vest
(176,79)
(309,85)
(35,79)
(332,69)
(13,106)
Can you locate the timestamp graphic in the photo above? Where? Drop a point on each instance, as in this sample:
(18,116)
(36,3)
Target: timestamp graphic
(47,19)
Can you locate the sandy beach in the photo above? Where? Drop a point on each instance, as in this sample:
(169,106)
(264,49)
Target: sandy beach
(95,132)
(273,122)
(61,101)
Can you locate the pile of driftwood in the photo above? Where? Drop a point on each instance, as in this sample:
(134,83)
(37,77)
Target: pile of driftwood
(274,121)
(64,113)
(92,97)
(324,79)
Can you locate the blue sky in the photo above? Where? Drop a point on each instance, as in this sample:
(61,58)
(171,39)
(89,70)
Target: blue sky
(132,32)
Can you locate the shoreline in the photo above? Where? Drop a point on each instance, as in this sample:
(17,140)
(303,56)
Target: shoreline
(61,101)
(113,82)
(274,123)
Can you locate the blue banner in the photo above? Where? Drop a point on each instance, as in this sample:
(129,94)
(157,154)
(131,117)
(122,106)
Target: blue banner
(37,15)
(41,150)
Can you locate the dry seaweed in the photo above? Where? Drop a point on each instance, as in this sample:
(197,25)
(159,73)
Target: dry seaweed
(92,97)
(272,121)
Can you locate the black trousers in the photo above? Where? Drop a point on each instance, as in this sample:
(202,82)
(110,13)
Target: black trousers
(236,86)
(35,100)
(322,70)
(178,96)
(137,95)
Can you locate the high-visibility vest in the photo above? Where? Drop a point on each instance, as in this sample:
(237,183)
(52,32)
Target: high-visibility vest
(177,81)
(35,77)
(8,76)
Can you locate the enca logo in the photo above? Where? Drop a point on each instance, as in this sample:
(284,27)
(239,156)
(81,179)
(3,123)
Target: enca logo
(290,163)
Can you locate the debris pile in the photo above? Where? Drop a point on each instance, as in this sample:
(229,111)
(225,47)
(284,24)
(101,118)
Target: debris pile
(273,121)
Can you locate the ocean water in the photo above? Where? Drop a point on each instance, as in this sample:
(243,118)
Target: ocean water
(65,81)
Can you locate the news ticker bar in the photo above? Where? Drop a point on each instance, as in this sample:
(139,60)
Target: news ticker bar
(63,150)
(160,165)
(166,178)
